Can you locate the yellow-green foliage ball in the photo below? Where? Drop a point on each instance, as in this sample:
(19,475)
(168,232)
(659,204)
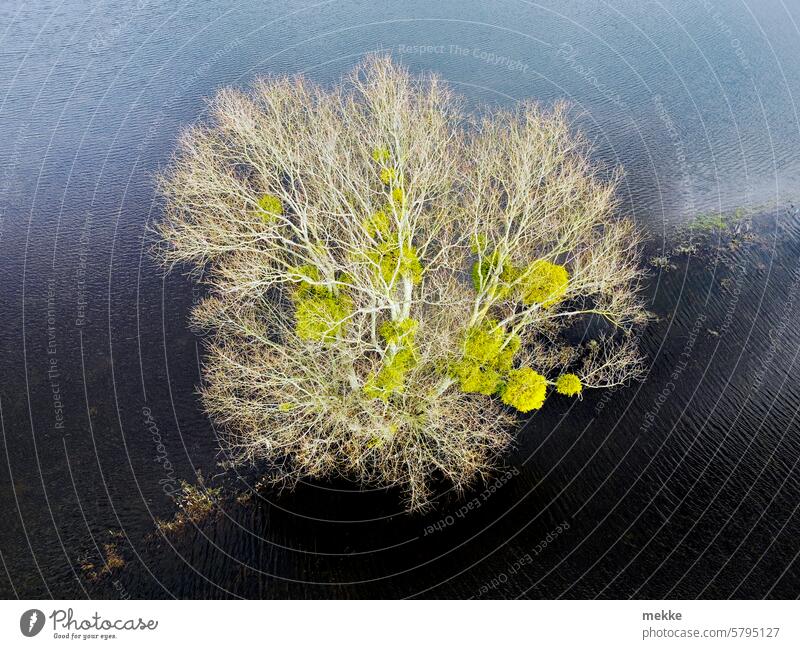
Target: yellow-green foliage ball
(476,378)
(544,283)
(488,356)
(321,317)
(569,384)
(524,390)
(397,332)
(377,225)
(270,206)
(399,197)
(388,174)
(488,343)
(381,154)
(505,357)
(484,341)
(307,286)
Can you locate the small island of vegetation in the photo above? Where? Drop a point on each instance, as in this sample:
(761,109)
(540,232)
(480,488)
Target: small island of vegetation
(391,281)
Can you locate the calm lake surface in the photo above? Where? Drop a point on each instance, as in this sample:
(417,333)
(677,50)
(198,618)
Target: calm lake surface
(685,485)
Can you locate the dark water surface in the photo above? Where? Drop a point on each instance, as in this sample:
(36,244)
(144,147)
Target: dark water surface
(685,485)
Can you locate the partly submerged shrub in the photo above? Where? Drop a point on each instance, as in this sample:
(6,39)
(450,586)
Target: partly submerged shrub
(525,389)
(391,280)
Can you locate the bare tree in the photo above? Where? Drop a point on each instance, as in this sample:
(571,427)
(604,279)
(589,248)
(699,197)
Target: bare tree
(391,279)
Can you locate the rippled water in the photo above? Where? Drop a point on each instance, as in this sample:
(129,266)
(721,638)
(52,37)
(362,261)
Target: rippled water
(684,485)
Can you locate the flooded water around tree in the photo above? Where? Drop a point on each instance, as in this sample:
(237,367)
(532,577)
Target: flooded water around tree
(682,485)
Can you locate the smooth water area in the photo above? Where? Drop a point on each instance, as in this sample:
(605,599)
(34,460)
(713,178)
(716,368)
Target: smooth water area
(684,485)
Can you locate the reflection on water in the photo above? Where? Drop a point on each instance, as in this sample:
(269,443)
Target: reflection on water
(684,485)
